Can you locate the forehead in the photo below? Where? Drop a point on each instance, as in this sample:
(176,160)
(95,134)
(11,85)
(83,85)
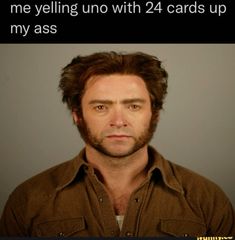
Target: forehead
(116,85)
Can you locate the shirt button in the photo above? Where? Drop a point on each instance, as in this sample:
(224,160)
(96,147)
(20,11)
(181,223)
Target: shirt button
(129,234)
(61,234)
(137,200)
(101,199)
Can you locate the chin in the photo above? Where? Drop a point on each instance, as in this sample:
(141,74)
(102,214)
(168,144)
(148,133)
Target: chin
(118,152)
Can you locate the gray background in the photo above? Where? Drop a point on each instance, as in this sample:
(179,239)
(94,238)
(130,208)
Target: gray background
(196,128)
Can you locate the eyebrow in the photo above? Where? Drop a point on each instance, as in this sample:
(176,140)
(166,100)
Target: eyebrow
(124,101)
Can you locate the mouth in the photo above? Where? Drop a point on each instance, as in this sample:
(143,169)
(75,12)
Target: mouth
(120,137)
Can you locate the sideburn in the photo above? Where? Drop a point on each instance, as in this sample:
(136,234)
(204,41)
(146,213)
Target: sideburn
(84,132)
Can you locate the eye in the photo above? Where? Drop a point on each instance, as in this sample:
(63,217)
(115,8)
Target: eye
(134,107)
(100,108)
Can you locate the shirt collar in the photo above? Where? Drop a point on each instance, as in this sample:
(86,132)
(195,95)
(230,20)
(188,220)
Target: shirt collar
(157,162)
(73,169)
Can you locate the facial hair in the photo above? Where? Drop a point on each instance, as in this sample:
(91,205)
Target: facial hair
(139,142)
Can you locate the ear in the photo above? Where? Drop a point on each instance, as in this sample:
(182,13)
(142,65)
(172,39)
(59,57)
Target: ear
(76,117)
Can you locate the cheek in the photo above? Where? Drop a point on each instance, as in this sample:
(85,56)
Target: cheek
(95,124)
(140,124)
(144,119)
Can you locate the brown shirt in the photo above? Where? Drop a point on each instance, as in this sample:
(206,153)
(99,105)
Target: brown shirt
(69,200)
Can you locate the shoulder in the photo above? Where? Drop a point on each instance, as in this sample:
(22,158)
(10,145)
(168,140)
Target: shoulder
(42,185)
(31,197)
(193,182)
(184,179)
(200,191)
(199,195)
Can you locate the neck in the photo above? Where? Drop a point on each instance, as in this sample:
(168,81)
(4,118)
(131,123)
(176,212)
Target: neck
(132,168)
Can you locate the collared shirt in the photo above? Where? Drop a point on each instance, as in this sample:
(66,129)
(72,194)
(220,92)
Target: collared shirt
(69,200)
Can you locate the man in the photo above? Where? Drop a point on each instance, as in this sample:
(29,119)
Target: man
(118,185)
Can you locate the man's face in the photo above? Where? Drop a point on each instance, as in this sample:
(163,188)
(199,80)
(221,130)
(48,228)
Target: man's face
(117,114)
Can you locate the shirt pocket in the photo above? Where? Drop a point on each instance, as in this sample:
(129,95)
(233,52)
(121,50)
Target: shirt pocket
(61,228)
(182,228)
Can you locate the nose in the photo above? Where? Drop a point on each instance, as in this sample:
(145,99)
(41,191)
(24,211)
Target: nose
(118,119)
